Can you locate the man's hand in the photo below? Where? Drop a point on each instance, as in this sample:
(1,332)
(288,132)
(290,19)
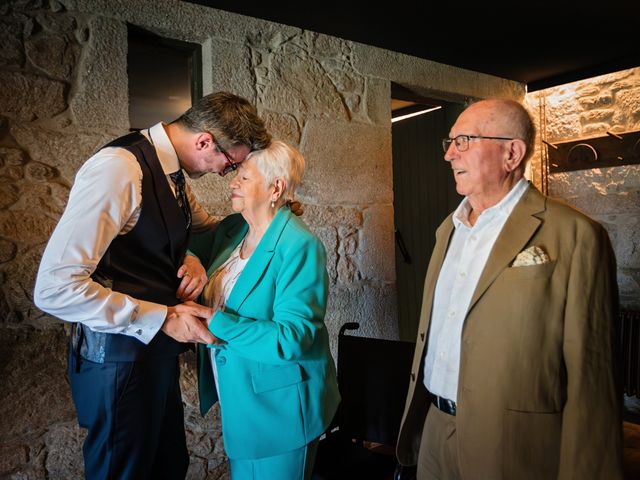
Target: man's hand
(187,322)
(194,278)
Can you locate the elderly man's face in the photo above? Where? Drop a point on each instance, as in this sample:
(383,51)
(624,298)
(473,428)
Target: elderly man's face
(479,171)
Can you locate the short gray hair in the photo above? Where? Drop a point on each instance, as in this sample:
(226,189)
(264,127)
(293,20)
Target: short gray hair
(282,160)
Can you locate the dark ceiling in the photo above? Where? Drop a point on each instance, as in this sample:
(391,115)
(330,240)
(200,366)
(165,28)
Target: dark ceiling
(540,43)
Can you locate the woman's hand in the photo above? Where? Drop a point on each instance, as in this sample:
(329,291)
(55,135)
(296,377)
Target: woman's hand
(194,278)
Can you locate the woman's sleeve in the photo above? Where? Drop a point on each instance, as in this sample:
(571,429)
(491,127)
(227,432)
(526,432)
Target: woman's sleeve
(298,311)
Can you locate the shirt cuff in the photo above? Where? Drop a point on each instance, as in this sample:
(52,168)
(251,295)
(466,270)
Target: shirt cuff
(147,321)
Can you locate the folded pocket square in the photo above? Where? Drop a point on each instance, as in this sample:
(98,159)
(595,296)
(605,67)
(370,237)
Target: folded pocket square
(531,256)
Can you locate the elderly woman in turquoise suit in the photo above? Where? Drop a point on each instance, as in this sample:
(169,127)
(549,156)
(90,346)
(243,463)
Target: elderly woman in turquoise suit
(272,371)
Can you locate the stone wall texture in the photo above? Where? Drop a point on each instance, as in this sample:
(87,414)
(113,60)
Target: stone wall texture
(586,109)
(63,71)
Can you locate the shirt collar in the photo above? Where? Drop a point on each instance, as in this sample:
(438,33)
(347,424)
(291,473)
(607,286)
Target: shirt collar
(503,207)
(164,148)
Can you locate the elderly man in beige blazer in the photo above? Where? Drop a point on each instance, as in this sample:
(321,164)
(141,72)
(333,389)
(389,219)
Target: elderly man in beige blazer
(513,375)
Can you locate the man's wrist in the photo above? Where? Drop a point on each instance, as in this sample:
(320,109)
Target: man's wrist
(148,321)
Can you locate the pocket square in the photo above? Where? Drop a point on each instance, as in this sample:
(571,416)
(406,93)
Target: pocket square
(531,256)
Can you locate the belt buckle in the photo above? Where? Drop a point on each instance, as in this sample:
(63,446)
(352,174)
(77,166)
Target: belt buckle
(444,405)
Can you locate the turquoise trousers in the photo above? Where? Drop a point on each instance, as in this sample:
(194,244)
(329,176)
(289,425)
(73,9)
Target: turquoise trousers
(294,465)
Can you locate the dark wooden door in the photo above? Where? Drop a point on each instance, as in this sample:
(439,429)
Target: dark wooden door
(424,194)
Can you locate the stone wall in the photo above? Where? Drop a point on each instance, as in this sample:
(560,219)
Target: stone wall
(590,108)
(64,94)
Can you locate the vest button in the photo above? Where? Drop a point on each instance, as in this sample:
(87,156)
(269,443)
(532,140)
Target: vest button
(221,360)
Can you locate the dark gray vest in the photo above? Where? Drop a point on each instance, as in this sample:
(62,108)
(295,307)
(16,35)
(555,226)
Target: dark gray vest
(142,263)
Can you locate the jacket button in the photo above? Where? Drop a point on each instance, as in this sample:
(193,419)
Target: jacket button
(422,336)
(139,332)
(221,360)
(413,377)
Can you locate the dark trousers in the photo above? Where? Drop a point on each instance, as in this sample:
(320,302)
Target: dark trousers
(134,417)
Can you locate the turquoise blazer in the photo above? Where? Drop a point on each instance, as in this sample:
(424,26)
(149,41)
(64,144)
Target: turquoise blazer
(276,376)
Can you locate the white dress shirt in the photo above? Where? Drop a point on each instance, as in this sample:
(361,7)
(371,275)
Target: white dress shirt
(465,260)
(104,202)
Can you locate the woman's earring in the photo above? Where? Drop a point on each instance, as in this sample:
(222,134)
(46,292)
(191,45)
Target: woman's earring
(273,204)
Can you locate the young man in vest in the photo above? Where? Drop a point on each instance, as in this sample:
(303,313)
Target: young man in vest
(115,267)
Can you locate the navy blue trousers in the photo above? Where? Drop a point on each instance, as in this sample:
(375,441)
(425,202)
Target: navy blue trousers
(134,417)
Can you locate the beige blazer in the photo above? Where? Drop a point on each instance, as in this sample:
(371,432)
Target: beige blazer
(537,397)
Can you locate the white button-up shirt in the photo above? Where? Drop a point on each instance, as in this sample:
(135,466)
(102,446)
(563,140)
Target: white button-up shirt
(104,202)
(465,260)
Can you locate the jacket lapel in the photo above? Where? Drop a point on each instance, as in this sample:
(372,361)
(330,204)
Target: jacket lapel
(229,240)
(443,237)
(516,233)
(259,260)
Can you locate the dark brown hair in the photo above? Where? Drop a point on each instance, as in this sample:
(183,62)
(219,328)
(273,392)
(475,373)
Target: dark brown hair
(231,119)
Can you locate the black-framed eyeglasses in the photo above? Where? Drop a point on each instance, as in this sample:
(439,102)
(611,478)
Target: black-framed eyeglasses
(231,165)
(462,141)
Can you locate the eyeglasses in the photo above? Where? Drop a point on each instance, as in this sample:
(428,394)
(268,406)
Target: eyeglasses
(462,141)
(231,165)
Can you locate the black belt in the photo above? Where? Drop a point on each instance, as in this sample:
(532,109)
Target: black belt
(444,405)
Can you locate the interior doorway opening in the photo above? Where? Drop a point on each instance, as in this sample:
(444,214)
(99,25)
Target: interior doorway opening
(164,77)
(424,193)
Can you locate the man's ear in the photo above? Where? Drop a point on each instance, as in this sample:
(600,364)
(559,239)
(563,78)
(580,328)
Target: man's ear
(204,140)
(515,154)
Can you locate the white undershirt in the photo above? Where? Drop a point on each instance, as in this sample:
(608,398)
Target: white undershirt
(465,260)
